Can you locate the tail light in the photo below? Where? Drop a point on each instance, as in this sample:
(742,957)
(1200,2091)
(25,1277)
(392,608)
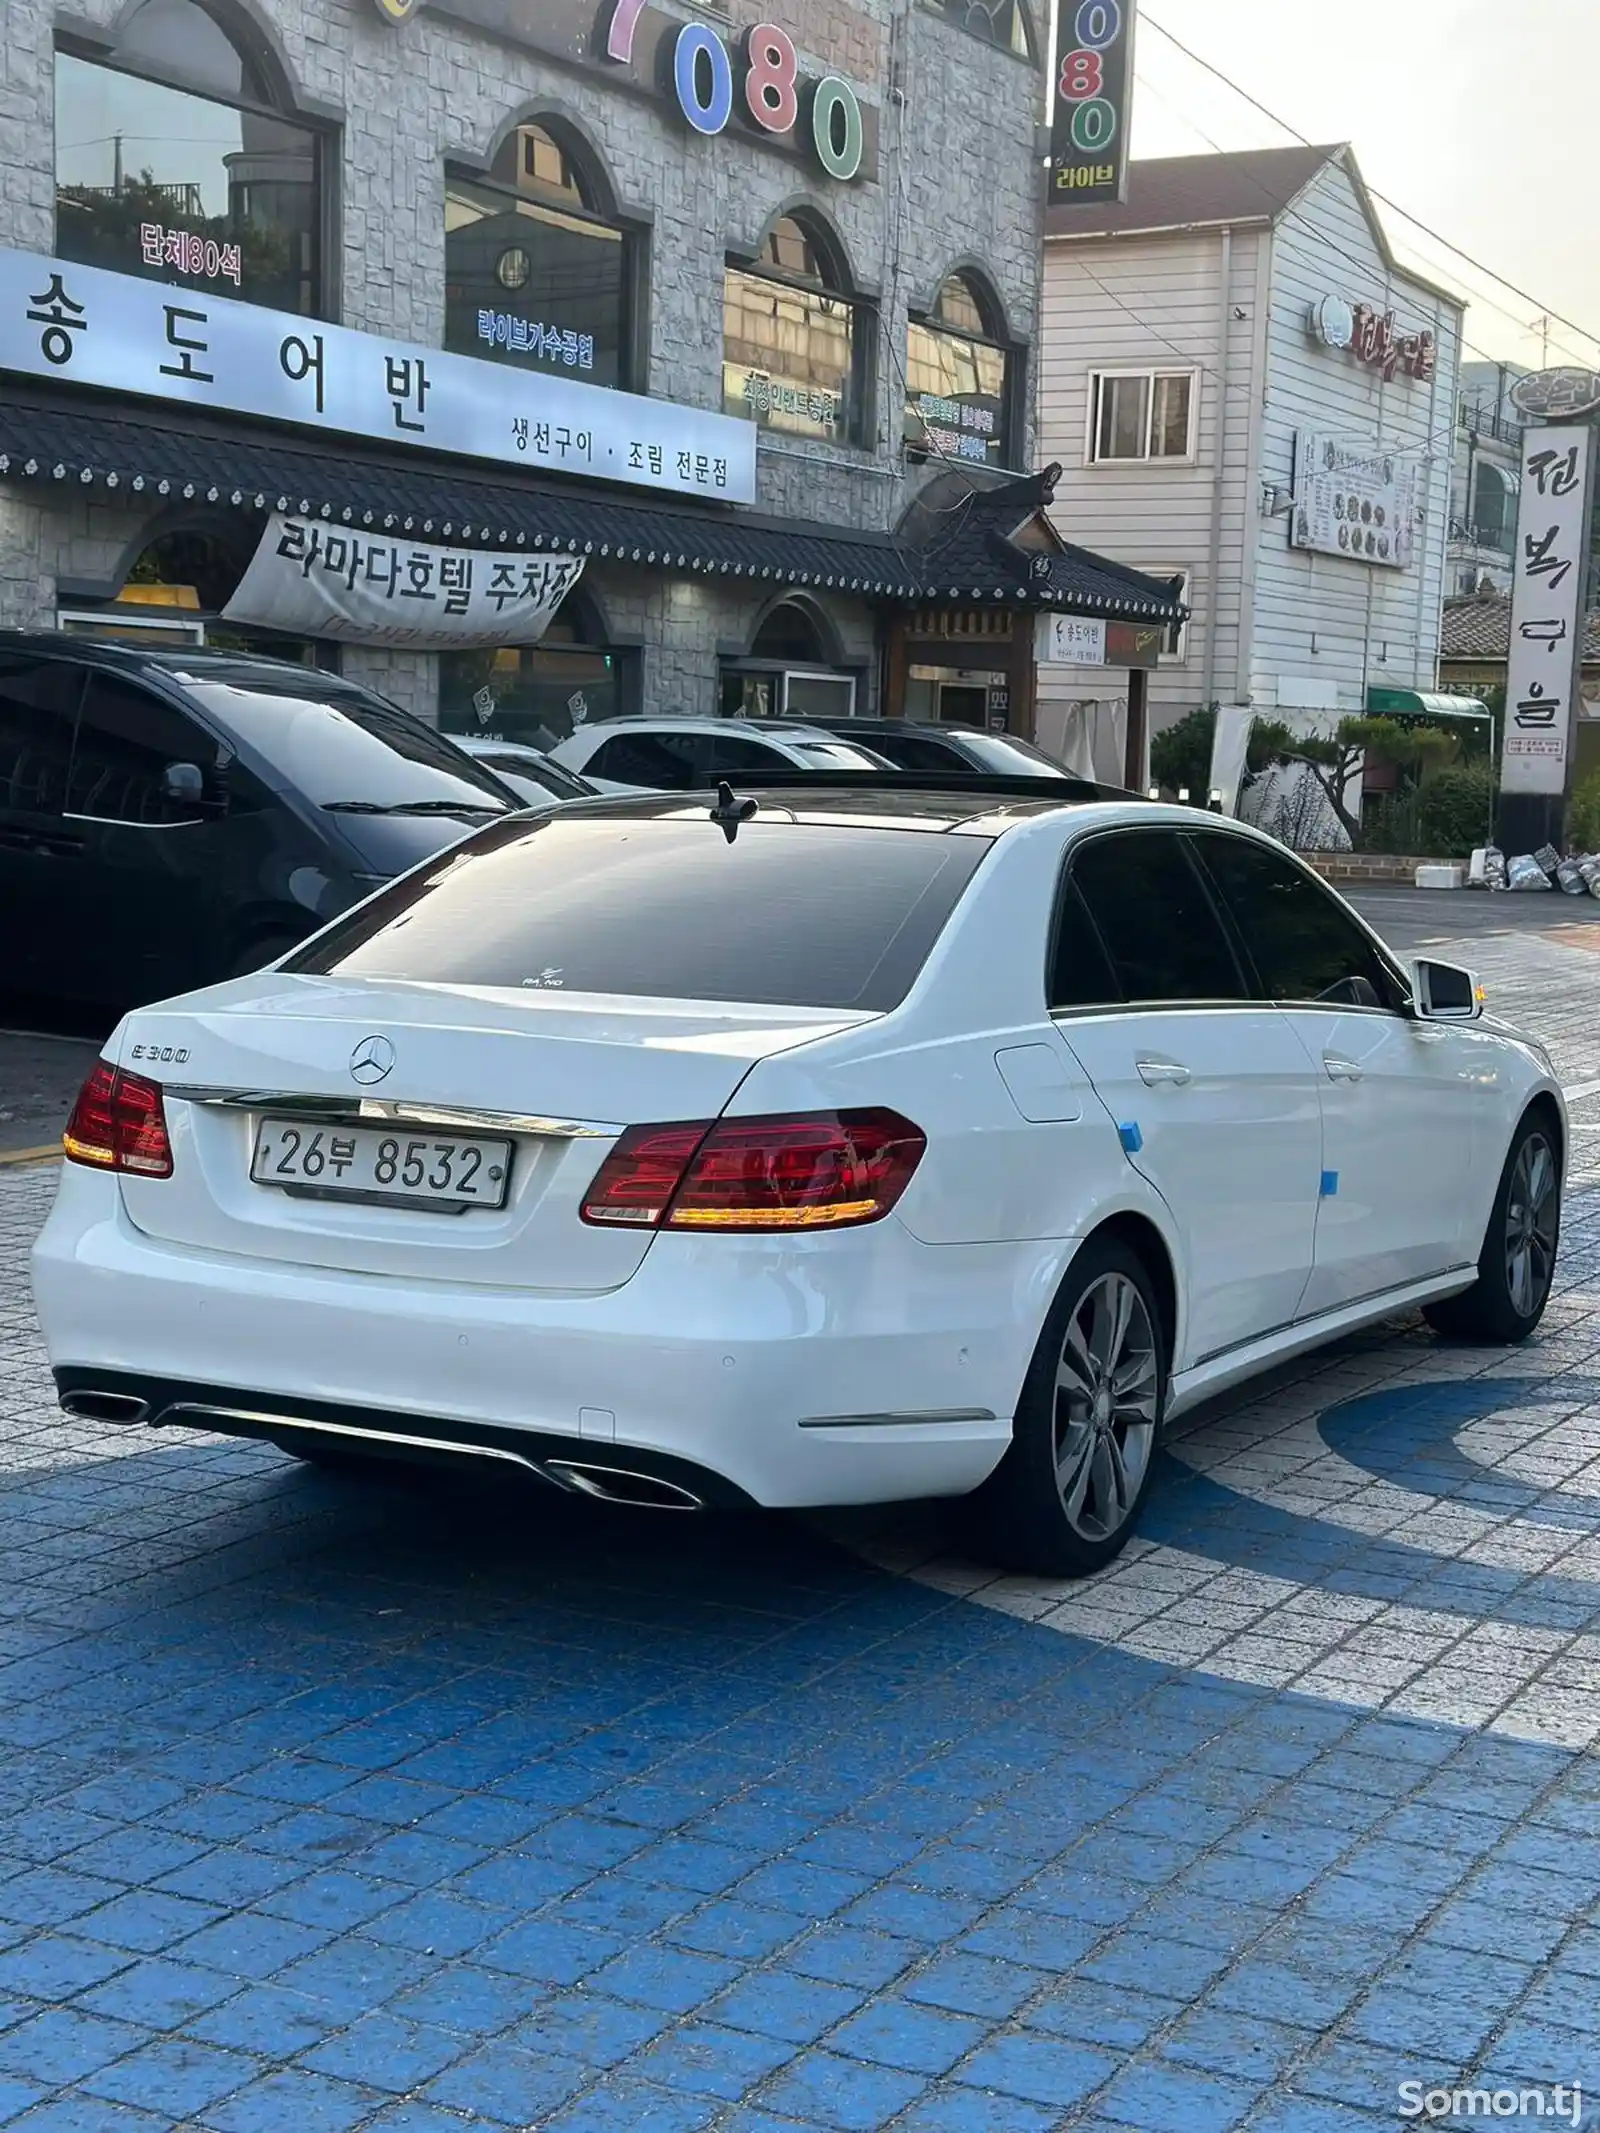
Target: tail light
(826,1170)
(118,1123)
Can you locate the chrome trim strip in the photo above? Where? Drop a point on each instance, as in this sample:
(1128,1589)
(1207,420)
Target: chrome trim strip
(934,1415)
(199,1411)
(122,822)
(374,1111)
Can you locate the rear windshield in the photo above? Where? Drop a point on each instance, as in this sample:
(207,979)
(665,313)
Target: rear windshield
(338,747)
(788,915)
(838,755)
(1012,758)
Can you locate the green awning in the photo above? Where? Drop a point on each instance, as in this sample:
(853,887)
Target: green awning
(1421,703)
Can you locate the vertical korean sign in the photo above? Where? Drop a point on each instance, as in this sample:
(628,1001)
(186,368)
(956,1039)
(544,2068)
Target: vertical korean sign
(1547,609)
(1091,103)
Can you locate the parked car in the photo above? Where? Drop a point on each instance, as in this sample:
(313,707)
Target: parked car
(684,754)
(530,773)
(797,1150)
(170,817)
(918,744)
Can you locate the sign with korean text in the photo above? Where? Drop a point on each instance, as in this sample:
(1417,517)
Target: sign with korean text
(84,326)
(1565,391)
(1354,500)
(1092,102)
(1375,338)
(1549,580)
(312,579)
(1070,641)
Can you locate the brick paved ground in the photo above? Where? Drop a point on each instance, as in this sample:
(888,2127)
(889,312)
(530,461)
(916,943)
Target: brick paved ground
(333,1805)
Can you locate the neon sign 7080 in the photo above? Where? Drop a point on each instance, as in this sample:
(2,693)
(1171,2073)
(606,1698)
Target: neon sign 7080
(770,87)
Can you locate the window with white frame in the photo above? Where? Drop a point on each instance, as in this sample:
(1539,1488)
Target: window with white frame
(1141,414)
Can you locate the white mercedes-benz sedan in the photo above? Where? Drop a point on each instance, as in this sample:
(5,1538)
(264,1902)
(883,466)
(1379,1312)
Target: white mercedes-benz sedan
(799,1147)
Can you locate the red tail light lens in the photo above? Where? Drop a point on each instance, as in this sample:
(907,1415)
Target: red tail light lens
(118,1123)
(638,1178)
(829,1170)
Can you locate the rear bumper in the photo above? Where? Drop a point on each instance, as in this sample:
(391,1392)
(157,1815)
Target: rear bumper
(859,1368)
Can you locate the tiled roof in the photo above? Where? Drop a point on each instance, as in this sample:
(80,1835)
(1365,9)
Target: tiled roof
(1176,192)
(969,543)
(257,471)
(1481,629)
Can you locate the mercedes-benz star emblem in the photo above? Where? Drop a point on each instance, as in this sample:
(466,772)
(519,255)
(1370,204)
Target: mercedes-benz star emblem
(372,1060)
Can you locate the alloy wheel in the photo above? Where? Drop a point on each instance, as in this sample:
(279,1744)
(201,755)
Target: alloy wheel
(1533,1219)
(1107,1393)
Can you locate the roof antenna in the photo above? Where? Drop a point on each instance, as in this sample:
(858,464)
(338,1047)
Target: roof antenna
(731,811)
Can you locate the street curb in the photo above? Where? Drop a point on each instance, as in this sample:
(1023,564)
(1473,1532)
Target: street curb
(10,1156)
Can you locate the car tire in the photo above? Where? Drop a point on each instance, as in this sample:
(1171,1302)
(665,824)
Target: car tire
(1516,1267)
(1067,1495)
(256,955)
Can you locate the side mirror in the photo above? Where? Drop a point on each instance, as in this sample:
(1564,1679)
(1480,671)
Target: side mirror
(1446,993)
(183,786)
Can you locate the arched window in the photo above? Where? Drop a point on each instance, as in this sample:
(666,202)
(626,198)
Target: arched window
(791,353)
(539,694)
(960,378)
(1001,22)
(1494,504)
(538,273)
(789,633)
(174,162)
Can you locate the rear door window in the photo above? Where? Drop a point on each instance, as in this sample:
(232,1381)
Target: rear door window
(663,762)
(1080,970)
(38,710)
(787,915)
(1156,918)
(912,751)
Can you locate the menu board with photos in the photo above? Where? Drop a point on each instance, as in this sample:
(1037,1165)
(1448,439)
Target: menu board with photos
(1354,500)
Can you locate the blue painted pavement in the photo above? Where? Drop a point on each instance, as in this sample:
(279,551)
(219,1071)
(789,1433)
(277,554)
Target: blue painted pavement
(336,1804)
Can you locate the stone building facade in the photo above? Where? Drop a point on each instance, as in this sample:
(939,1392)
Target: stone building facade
(382,122)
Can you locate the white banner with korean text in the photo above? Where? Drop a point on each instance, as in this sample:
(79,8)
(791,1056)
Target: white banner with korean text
(316,580)
(1069,641)
(1549,573)
(86,326)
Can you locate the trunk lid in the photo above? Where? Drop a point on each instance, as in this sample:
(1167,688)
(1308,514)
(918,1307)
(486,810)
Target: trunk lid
(565,1072)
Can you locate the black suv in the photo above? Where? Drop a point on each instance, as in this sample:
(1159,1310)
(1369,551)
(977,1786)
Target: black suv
(172,817)
(917,744)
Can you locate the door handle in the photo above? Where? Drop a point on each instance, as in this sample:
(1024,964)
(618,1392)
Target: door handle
(1164,1073)
(1338,1069)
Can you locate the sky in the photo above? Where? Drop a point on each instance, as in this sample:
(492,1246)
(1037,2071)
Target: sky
(1480,116)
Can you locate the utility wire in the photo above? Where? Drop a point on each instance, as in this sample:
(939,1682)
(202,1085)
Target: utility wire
(1393,205)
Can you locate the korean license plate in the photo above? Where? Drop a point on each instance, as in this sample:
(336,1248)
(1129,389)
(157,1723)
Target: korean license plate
(438,1170)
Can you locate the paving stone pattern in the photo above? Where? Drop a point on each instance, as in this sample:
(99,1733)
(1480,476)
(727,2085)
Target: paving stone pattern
(333,1804)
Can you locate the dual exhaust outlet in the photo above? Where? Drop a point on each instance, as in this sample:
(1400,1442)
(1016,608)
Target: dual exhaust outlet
(606,1484)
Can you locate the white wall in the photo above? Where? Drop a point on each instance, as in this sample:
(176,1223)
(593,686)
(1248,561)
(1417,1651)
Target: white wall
(1326,626)
(1156,302)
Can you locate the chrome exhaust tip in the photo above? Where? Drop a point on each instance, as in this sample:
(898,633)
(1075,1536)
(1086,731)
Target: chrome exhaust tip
(90,1406)
(644,1492)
